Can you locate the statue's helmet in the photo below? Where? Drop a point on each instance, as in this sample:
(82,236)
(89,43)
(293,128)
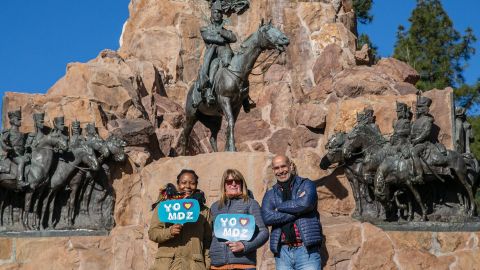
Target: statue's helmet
(90,128)
(401,107)
(459,111)
(76,124)
(368,111)
(361,117)
(217,5)
(17,114)
(423,101)
(38,117)
(59,120)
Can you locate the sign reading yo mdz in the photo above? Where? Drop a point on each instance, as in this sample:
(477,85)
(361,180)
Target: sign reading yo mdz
(179,211)
(234,227)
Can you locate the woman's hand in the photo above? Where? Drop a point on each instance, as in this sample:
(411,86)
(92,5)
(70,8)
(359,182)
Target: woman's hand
(235,246)
(175,229)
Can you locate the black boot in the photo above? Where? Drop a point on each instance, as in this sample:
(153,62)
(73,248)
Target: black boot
(209,96)
(248,104)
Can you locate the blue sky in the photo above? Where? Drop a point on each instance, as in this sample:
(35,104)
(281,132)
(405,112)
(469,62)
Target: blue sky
(39,38)
(388,14)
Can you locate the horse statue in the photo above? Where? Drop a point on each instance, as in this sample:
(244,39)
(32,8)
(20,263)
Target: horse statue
(36,173)
(112,147)
(394,171)
(67,165)
(392,177)
(229,86)
(359,174)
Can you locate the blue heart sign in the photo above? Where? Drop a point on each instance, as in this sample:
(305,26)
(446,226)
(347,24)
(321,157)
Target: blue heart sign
(234,227)
(179,211)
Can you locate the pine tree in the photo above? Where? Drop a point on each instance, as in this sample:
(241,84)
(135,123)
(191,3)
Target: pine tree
(433,47)
(362,10)
(467,96)
(362,13)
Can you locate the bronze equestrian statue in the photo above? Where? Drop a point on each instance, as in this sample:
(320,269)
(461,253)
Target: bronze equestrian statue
(229,84)
(444,189)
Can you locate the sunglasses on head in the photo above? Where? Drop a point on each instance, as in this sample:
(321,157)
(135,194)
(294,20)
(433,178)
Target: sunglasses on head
(230,181)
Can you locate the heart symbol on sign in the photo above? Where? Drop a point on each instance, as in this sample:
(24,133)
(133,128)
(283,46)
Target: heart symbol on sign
(187,205)
(244,221)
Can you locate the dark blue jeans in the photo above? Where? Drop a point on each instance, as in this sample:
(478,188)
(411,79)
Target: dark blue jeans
(298,258)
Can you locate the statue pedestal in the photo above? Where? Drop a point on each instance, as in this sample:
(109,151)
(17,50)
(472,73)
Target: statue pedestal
(349,244)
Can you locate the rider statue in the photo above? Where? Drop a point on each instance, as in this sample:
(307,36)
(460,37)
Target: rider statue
(218,54)
(76,138)
(92,134)
(59,127)
(421,139)
(463,132)
(401,130)
(12,142)
(34,138)
(366,119)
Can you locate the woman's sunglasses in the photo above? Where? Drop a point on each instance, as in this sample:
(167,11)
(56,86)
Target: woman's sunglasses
(230,181)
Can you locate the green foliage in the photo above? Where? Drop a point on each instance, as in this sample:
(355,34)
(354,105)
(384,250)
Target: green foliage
(362,13)
(433,47)
(475,146)
(362,10)
(468,95)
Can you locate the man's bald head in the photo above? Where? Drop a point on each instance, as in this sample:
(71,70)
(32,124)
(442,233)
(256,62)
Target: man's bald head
(278,158)
(282,168)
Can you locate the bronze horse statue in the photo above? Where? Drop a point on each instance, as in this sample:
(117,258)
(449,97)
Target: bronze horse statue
(70,162)
(358,173)
(229,85)
(36,173)
(392,172)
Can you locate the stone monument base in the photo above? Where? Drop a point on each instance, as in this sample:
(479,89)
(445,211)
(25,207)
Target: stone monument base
(349,244)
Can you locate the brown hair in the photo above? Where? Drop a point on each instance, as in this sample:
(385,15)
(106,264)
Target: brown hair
(237,176)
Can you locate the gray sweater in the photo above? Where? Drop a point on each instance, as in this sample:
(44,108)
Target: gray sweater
(220,254)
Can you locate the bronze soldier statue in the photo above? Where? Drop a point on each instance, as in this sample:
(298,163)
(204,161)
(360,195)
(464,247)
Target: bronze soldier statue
(463,131)
(420,134)
(218,54)
(34,138)
(370,120)
(401,127)
(92,134)
(76,138)
(12,143)
(218,51)
(59,127)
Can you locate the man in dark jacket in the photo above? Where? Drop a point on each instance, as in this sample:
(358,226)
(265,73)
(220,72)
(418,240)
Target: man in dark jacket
(290,207)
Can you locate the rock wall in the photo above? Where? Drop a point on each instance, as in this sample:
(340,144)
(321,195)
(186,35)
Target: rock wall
(349,244)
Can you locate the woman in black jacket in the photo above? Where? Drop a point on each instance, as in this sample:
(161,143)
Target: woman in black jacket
(235,199)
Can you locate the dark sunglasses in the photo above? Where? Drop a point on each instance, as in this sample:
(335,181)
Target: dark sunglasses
(230,181)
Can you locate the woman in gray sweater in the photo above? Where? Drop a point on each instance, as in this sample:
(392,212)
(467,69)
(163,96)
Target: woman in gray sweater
(235,199)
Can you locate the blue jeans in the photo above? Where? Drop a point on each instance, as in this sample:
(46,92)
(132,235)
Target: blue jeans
(298,258)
